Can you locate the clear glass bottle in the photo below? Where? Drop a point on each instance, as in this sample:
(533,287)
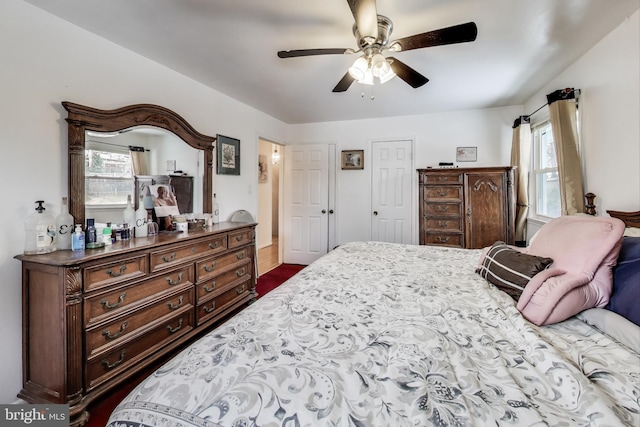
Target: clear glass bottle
(64,227)
(141,219)
(216,209)
(129,215)
(40,232)
(90,236)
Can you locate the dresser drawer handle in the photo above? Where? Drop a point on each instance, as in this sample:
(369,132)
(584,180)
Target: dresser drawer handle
(442,208)
(443,224)
(112,273)
(111,336)
(442,193)
(106,303)
(177,328)
(240,255)
(209,310)
(242,272)
(108,365)
(239,238)
(169,259)
(443,239)
(174,282)
(209,269)
(173,306)
(240,290)
(443,178)
(215,245)
(209,289)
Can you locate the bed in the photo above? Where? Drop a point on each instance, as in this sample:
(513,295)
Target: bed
(380,334)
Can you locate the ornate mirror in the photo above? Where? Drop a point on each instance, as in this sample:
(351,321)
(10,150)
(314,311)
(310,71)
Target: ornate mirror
(82,119)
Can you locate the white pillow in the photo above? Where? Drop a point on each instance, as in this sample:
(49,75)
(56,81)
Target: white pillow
(614,325)
(632,231)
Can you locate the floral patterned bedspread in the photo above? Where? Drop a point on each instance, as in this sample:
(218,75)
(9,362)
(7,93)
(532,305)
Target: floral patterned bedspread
(379,334)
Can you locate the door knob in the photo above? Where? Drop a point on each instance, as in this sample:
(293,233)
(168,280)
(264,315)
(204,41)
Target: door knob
(375,212)
(330,211)
(324,211)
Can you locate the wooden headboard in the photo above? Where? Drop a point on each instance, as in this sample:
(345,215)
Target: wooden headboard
(631,219)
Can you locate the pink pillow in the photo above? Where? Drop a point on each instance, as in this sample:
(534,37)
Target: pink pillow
(584,250)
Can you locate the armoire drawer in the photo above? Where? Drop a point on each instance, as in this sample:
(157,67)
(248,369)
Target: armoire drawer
(444,224)
(445,239)
(452,192)
(443,209)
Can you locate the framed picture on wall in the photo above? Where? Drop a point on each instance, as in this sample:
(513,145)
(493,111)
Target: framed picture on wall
(353,159)
(227,155)
(467,154)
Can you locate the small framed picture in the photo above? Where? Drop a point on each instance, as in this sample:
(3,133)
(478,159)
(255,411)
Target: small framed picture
(467,154)
(353,159)
(228,155)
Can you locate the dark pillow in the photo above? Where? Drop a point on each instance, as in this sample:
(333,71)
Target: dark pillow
(626,281)
(509,269)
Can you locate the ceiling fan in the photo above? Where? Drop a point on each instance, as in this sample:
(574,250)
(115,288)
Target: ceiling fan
(372,33)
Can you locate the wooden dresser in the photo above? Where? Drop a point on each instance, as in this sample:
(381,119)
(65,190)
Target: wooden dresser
(92,319)
(466,207)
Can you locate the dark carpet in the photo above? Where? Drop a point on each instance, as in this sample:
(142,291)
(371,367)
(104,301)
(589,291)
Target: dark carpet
(274,278)
(101,409)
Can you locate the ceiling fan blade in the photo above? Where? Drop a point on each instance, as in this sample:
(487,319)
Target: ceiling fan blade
(406,73)
(344,83)
(456,34)
(366,16)
(311,52)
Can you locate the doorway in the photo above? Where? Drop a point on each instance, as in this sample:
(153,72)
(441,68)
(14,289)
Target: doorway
(270,157)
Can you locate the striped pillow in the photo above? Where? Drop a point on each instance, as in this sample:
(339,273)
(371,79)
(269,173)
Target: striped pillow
(509,269)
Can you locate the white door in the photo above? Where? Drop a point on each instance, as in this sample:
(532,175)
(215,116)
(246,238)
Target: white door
(306,203)
(391,168)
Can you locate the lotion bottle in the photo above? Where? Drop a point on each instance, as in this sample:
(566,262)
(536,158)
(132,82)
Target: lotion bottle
(216,210)
(40,232)
(77,239)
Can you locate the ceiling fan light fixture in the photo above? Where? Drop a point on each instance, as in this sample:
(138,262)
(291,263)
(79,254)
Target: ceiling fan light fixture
(387,75)
(368,78)
(379,64)
(359,69)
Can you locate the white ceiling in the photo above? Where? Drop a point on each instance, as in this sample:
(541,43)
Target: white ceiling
(231,45)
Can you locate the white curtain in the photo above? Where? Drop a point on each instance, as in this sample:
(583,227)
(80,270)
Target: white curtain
(520,159)
(563,114)
(139,160)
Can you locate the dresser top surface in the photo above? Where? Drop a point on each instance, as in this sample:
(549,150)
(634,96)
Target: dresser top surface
(123,247)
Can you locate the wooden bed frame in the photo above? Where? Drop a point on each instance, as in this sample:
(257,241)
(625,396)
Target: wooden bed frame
(631,219)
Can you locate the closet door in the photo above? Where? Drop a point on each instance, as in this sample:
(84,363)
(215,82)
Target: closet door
(486,208)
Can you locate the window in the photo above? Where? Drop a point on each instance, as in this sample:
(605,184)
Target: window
(108,175)
(544,173)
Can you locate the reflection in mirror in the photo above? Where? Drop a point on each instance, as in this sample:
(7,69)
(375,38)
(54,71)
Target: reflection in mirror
(130,162)
(88,125)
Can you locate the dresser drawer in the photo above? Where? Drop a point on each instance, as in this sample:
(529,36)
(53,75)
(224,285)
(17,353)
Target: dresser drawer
(241,237)
(106,304)
(211,267)
(168,257)
(452,177)
(452,192)
(103,367)
(211,287)
(102,275)
(444,239)
(444,224)
(215,306)
(117,330)
(443,209)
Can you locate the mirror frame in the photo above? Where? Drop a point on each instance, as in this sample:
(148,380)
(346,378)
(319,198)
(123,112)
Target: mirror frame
(81,118)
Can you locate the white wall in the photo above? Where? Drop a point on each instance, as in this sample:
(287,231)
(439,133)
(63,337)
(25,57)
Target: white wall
(436,137)
(46,61)
(608,76)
